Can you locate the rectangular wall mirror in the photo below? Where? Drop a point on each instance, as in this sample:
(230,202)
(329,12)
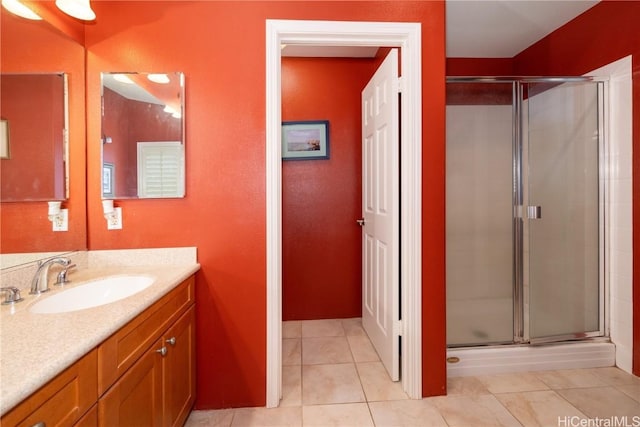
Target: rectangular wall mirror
(34,142)
(143,135)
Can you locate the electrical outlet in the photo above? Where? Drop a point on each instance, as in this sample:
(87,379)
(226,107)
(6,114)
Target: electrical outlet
(114,222)
(61,223)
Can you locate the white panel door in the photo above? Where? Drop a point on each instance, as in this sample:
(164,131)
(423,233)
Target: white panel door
(380,236)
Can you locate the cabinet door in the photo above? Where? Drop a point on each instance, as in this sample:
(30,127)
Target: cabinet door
(179,369)
(136,398)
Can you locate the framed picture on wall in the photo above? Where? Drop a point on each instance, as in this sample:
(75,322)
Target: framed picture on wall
(108,178)
(4,140)
(306,140)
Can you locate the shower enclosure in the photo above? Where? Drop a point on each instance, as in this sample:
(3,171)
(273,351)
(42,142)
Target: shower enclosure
(525,210)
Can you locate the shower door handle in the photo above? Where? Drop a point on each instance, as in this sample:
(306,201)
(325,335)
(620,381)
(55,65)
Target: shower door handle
(534,212)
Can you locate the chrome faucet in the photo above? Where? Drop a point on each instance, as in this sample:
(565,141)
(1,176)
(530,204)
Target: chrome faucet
(40,282)
(13,295)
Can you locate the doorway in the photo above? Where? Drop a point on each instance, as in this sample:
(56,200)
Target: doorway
(407,37)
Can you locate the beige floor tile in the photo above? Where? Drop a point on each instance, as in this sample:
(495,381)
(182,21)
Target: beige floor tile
(631,390)
(322,328)
(512,383)
(409,413)
(324,384)
(601,402)
(246,417)
(325,350)
(614,376)
(376,383)
(570,378)
(362,349)
(353,327)
(466,386)
(291,351)
(347,414)
(538,408)
(216,418)
(291,386)
(468,411)
(292,329)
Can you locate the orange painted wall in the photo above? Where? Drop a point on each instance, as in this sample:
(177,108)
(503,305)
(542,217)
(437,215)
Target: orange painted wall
(220,46)
(321,199)
(27,47)
(605,33)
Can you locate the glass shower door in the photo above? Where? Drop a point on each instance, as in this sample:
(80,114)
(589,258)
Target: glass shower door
(562,262)
(479,210)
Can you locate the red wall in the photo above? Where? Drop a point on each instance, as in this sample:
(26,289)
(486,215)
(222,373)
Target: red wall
(220,46)
(480,67)
(34,46)
(321,199)
(605,33)
(33,106)
(115,125)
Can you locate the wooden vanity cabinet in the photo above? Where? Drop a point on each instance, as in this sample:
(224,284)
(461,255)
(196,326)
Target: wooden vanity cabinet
(60,402)
(153,361)
(142,375)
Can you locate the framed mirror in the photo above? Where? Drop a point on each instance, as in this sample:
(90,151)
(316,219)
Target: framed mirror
(34,143)
(143,152)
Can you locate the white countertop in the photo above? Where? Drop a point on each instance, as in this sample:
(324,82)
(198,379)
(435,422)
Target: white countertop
(34,348)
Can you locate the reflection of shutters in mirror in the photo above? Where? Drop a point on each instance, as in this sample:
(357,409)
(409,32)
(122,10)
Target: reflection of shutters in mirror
(160,169)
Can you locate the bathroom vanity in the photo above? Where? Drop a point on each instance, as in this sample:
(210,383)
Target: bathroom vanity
(123,363)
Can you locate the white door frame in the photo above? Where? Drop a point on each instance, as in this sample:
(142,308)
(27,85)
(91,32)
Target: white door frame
(406,36)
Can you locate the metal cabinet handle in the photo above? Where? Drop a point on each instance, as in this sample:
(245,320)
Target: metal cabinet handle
(162,351)
(360,222)
(171,341)
(40,424)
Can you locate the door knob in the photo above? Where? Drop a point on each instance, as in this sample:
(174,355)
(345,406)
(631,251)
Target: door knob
(162,351)
(360,222)
(171,341)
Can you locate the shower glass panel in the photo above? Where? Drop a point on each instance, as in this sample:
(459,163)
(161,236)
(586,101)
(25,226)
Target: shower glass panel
(479,208)
(563,181)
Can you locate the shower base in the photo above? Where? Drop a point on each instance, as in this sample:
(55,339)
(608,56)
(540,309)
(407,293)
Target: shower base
(519,358)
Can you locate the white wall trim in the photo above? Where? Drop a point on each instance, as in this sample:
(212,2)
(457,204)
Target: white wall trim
(618,205)
(406,36)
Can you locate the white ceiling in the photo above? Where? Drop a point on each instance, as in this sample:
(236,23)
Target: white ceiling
(502,29)
(482,28)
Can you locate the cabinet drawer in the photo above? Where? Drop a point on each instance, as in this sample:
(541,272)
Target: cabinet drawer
(62,401)
(120,351)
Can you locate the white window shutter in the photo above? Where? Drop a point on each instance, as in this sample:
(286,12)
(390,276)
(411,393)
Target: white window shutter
(160,169)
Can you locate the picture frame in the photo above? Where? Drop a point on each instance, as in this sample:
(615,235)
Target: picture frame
(108,179)
(5,152)
(305,140)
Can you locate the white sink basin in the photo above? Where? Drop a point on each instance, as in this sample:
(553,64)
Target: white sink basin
(93,294)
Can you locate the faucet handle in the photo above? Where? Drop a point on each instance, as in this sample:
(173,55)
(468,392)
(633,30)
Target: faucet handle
(62,276)
(13,295)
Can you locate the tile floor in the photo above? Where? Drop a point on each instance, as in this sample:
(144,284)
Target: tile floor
(332,377)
